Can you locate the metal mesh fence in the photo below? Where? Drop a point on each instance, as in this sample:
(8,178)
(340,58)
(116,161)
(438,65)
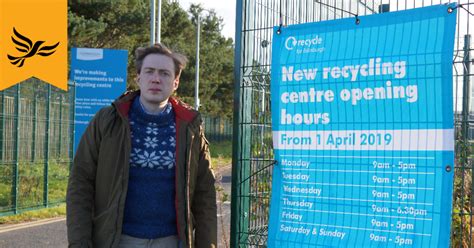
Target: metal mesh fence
(253,154)
(217,129)
(35,145)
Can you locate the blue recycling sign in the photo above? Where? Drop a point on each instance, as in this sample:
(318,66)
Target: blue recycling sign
(362,121)
(100,76)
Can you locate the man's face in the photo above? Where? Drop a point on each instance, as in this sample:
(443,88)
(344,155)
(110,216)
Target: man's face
(156,79)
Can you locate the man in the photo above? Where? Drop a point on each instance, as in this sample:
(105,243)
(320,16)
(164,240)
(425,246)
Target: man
(141,175)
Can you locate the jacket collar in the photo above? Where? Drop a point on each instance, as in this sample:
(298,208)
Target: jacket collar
(182,110)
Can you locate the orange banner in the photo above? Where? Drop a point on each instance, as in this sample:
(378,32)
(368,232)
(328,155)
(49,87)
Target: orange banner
(33,42)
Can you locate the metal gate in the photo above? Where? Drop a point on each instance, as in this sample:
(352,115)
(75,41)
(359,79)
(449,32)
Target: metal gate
(252,151)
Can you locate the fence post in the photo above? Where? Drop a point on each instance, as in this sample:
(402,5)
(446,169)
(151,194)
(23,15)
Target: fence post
(46,147)
(238,225)
(220,127)
(60,121)
(2,128)
(466,100)
(17,151)
(466,89)
(72,114)
(214,129)
(35,127)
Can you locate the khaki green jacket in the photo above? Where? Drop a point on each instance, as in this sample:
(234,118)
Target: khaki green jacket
(98,180)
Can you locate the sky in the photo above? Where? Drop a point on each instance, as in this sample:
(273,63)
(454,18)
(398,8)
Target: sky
(223,8)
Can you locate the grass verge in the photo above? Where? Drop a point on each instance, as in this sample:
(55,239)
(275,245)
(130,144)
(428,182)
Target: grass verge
(33,215)
(221,154)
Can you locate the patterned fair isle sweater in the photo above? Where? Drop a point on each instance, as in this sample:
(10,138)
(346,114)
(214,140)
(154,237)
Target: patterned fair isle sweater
(150,205)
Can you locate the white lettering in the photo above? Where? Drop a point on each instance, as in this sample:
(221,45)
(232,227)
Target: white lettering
(295,189)
(335,233)
(302,203)
(291,229)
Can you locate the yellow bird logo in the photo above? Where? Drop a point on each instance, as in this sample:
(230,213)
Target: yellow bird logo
(27,47)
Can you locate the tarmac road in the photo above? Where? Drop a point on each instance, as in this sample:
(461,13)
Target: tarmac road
(34,234)
(52,233)
(223,180)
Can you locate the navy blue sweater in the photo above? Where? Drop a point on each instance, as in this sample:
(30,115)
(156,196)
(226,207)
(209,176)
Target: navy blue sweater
(150,205)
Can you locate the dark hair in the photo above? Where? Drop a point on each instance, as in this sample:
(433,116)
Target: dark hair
(179,60)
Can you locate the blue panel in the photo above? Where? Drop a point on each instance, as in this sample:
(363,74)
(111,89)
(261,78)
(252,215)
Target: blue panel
(362,119)
(100,76)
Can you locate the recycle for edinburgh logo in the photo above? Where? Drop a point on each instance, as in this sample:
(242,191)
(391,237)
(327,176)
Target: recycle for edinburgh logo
(305,45)
(26,46)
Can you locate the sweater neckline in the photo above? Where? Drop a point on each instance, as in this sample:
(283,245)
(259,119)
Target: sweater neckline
(163,118)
